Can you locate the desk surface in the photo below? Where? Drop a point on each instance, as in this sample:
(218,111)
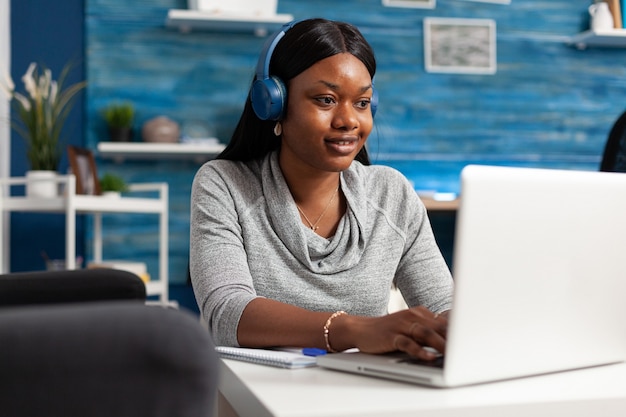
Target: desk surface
(261,391)
(440,205)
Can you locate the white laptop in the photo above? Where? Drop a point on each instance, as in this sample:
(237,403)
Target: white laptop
(540,280)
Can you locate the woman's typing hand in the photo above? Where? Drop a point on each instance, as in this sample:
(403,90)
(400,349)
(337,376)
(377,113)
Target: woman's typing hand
(411,331)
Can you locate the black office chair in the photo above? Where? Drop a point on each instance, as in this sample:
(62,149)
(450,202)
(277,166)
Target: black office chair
(84,343)
(60,287)
(614,156)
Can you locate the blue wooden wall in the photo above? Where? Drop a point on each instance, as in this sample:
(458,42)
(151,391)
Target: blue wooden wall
(52,35)
(548,105)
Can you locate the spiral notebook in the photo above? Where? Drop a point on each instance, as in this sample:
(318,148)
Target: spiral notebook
(280,358)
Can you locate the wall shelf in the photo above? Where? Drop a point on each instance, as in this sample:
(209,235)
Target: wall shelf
(188,20)
(199,152)
(614,38)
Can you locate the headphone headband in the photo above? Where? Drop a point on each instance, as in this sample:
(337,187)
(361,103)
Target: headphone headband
(263,65)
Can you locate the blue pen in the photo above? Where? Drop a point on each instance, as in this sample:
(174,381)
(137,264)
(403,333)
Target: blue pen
(313,352)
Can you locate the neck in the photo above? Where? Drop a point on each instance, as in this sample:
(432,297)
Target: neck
(319,200)
(309,191)
(307,184)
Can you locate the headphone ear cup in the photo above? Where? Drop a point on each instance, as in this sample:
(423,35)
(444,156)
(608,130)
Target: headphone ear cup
(374,101)
(268,97)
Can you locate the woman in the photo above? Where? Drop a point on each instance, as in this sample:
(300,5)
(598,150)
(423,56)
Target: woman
(295,239)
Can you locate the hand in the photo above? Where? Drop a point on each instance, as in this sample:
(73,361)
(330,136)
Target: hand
(408,331)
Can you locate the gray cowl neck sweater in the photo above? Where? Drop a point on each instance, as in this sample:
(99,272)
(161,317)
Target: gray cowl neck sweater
(247,241)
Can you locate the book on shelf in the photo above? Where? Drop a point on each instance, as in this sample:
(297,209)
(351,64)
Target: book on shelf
(615,6)
(281,357)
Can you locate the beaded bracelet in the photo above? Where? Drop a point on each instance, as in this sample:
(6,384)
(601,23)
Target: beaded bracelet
(327,329)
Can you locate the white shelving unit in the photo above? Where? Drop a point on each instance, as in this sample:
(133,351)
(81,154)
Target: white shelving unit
(199,152)
(614,38)
(188,20)
(70,204)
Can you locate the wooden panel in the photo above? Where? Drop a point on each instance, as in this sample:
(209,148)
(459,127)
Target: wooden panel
(548,105)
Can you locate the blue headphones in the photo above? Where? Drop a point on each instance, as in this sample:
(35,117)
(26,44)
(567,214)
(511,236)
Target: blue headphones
(268,93)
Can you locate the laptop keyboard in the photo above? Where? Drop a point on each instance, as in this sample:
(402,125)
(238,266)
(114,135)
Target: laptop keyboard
(436,363)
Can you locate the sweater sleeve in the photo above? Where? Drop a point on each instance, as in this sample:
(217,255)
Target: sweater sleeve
(219,270)
(423,277)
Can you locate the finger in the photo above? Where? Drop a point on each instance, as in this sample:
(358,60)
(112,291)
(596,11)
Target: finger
(422,312)
(435,321)
(414,349)
(443,316)
(425,335)
(440,324)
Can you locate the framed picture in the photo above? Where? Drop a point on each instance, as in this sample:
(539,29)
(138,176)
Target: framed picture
(83,166)
(416,4)
(462,46)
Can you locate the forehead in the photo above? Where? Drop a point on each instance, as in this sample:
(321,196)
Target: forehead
(340,68)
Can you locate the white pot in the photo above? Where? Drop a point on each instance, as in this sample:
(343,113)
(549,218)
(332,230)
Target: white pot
(111,194)
(601,16)
(42,184)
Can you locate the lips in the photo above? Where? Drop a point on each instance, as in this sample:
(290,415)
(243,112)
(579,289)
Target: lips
(343,146)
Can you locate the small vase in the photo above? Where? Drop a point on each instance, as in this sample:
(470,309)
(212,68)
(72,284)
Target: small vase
(601,17)
(161,129)
(121,134)
(42,184)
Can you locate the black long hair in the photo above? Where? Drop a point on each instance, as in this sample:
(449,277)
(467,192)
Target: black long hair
(306,43)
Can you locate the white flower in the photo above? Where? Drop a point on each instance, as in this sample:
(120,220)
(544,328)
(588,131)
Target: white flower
(54,89)
(23,101)
(29,81)
(44,84)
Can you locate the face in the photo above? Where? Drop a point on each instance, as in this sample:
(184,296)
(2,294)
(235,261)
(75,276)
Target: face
(328,116)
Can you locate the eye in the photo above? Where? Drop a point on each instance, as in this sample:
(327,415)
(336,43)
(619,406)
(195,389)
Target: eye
(326,100)
(363,104)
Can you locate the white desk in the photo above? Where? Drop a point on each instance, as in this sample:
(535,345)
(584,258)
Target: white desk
(72,204)
(440,205)
(262,391)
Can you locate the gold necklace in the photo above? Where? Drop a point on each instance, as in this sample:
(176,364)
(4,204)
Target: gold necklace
(314,226)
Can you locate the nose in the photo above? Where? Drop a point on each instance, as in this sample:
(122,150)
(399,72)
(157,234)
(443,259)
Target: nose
(345,117)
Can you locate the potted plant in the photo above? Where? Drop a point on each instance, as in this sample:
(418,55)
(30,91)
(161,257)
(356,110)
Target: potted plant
(112,185)
(119,118)
(39,116)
